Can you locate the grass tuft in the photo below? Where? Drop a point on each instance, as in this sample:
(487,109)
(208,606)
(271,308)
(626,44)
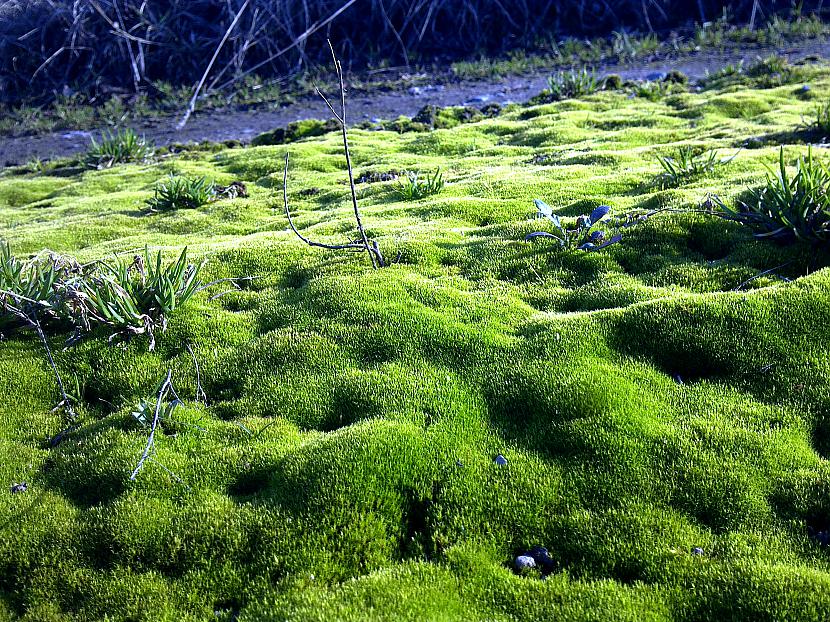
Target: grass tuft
(788,207)
(137,297)
(118,148)
(415,187)
(178,192)
(688,165)
(573,83)
(821,120)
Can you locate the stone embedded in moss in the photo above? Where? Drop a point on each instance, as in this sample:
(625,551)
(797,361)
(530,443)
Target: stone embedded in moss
(491,111)
(676,76)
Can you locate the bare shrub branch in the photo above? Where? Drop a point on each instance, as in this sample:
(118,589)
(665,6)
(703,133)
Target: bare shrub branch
(371,247)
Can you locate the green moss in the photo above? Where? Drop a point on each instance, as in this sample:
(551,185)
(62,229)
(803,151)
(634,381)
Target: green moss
(343,465)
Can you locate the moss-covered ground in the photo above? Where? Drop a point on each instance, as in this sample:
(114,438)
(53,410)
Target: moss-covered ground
(343,466)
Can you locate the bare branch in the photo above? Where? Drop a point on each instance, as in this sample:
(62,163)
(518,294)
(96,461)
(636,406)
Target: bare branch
(33,322)
(336,247)
(373,251)
(760,274)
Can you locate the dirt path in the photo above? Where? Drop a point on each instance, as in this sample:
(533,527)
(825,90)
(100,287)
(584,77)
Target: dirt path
(229,124)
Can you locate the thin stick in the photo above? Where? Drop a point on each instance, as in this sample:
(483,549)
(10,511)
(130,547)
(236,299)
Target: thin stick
(151,439)
(351,246)
(66,403)
(169,472)
(760,274)
(341,119)
(232,280)
(33,322)
(192,105)
(199,390)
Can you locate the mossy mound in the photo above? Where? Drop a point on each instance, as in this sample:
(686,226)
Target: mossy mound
(294,131)
(661,406)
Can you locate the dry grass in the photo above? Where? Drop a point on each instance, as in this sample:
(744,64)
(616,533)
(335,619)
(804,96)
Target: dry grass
(49,46)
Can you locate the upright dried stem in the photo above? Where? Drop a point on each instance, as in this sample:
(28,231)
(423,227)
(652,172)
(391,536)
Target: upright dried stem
(372,250)
(151,440)
(335,247)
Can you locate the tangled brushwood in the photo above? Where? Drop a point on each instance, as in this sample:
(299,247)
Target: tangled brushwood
(48,47)
(125,297)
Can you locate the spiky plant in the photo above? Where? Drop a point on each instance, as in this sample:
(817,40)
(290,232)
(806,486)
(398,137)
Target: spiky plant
(415,187)
(788,207)
(689,165)
(821,121)
(137,297)
(572,83)
(33,288)
(178,192)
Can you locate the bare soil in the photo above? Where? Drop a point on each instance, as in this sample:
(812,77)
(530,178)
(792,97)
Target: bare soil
(222,125)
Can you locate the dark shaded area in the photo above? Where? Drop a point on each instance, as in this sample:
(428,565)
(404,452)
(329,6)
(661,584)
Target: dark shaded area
(52,46)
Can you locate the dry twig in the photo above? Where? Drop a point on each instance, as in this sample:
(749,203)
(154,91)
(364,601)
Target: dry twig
(33,322)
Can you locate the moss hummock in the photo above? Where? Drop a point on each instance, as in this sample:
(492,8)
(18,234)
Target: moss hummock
(663,414)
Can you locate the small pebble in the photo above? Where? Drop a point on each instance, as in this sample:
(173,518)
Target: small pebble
(524,563)
(21,487)
(697,551)
(500,460)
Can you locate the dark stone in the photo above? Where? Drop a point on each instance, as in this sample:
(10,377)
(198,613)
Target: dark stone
(426,116)
(18,488)
(676,77)
(542,558)
(612,82)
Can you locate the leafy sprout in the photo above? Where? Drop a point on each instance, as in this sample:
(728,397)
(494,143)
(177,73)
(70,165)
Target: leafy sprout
(583,235)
